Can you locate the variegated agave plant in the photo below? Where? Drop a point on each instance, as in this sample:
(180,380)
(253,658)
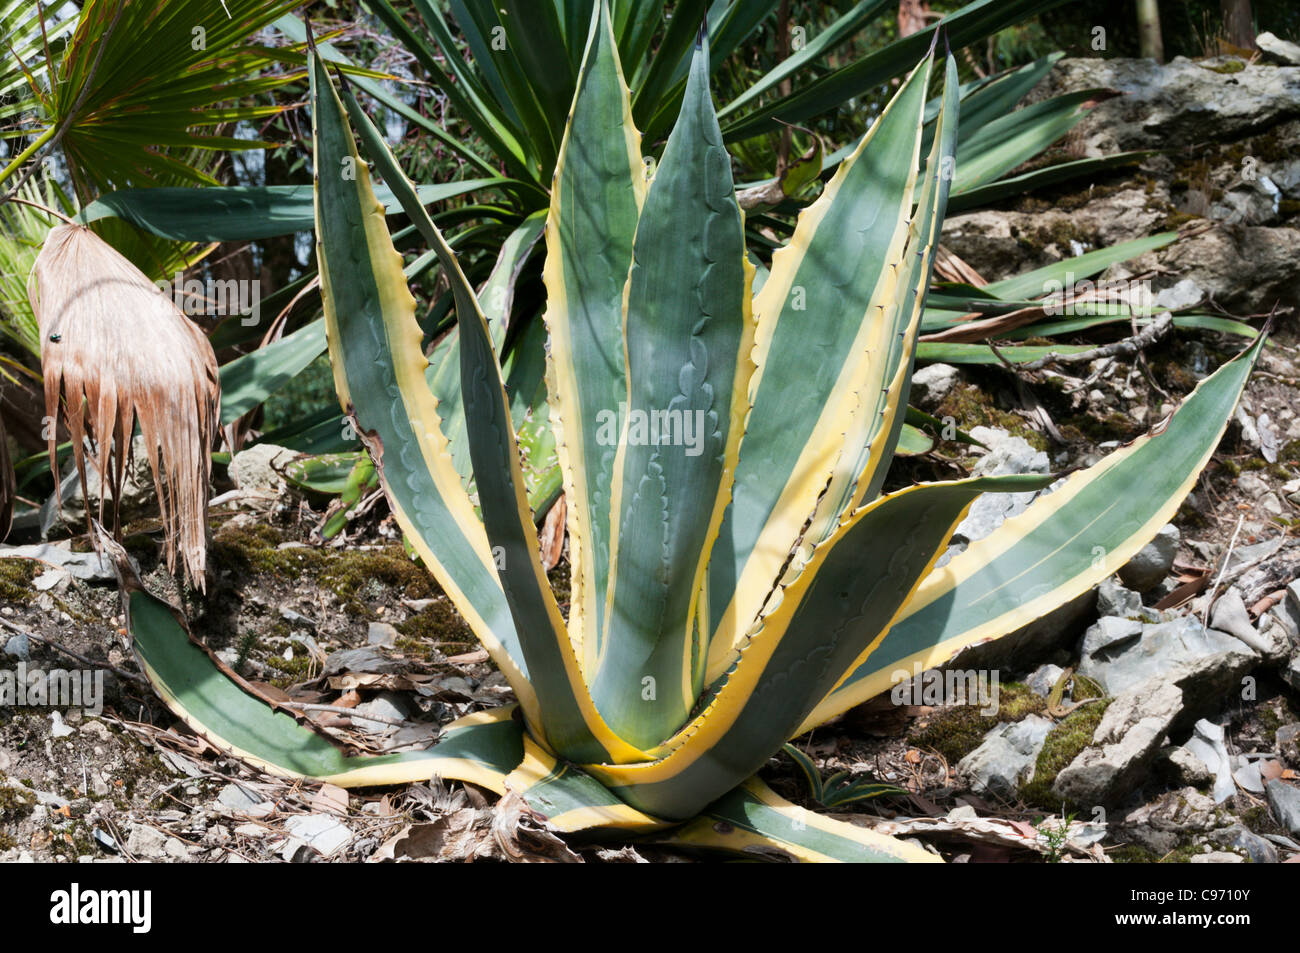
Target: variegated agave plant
(732,589)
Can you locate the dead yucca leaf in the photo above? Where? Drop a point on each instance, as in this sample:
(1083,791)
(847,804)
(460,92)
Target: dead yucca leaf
(120,351)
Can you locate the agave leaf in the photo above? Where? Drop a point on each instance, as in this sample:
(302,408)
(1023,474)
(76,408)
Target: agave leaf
(240,721)
(814,631)
(843,259)
(89,300)
(755,821)
(1062,545)
(688,334)
(587,260)
(566,716)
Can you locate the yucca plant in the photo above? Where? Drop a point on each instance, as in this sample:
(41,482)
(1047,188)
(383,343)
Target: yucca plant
(735,584)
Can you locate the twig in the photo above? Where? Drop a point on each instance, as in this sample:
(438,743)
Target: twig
(1232,544)
(44,208)
(339,710)
(1149,335)
(129,676)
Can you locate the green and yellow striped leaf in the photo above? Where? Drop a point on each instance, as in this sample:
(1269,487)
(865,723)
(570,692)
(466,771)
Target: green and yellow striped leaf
(567,717)
(224,709)
(380,379)
(1062,545)
(816,629)
(596,197)
(755,822)
(814,366)
(688,334)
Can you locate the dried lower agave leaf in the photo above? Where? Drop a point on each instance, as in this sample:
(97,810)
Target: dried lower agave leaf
(119,351)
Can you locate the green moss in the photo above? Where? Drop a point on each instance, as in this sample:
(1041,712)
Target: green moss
(436,628)
(15,804)
(16,577)
(351,575)
(1260,821)
(971,407)
(956,731)
(1063,744)
(292,671)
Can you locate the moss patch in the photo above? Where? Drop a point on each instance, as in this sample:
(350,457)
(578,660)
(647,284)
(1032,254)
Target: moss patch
(16,577)
(971,407)
(1063,744)
(956,731)
(351,575)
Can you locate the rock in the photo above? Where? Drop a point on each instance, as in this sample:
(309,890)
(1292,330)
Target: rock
(1284,52)
(19,647)
(1231,615)
(1284,802)
(1171,818)
(1242,267)
(1217,857)
(932,383)
(88,567)
(1159,647)
(381,633)
(257,469)
(58,728)
(1109,634)
(1182,766)
(1207,745)
(1004,760)
(388,705)
(1114,599)
(1177,103)
(1007,455)
(1291,674)
(1293,600)
(1288,742)
(1153,561)
(1240,839)
(1184,293)
(1123,746)
(240,800)
(323,833)
(148,843)
(366,660)
(1247,776)
(1043,679)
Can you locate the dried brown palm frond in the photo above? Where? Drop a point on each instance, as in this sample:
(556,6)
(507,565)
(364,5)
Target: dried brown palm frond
(119,351)
(8,487)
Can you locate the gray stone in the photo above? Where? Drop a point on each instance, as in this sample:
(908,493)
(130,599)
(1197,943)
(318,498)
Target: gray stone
(1004,760)
(1123,747)
(932,383)
(1278,49)
(88,567)
(19,647)
(1182,766)
(1240,838)
(1109,633)
(1288,742)
(1043,679)
(1114,599)
(1206,744)
(1218,857)
(1291,674)
(365,660)
(257,469)
(1284,802)
(381,633)
(147,843)
(1184,293)
(1293,600)
(389,705)
(1159,647)
(323,833)
(1007,455)
(1153,561)
(1247,776)
(1231,615)
(1177,103)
